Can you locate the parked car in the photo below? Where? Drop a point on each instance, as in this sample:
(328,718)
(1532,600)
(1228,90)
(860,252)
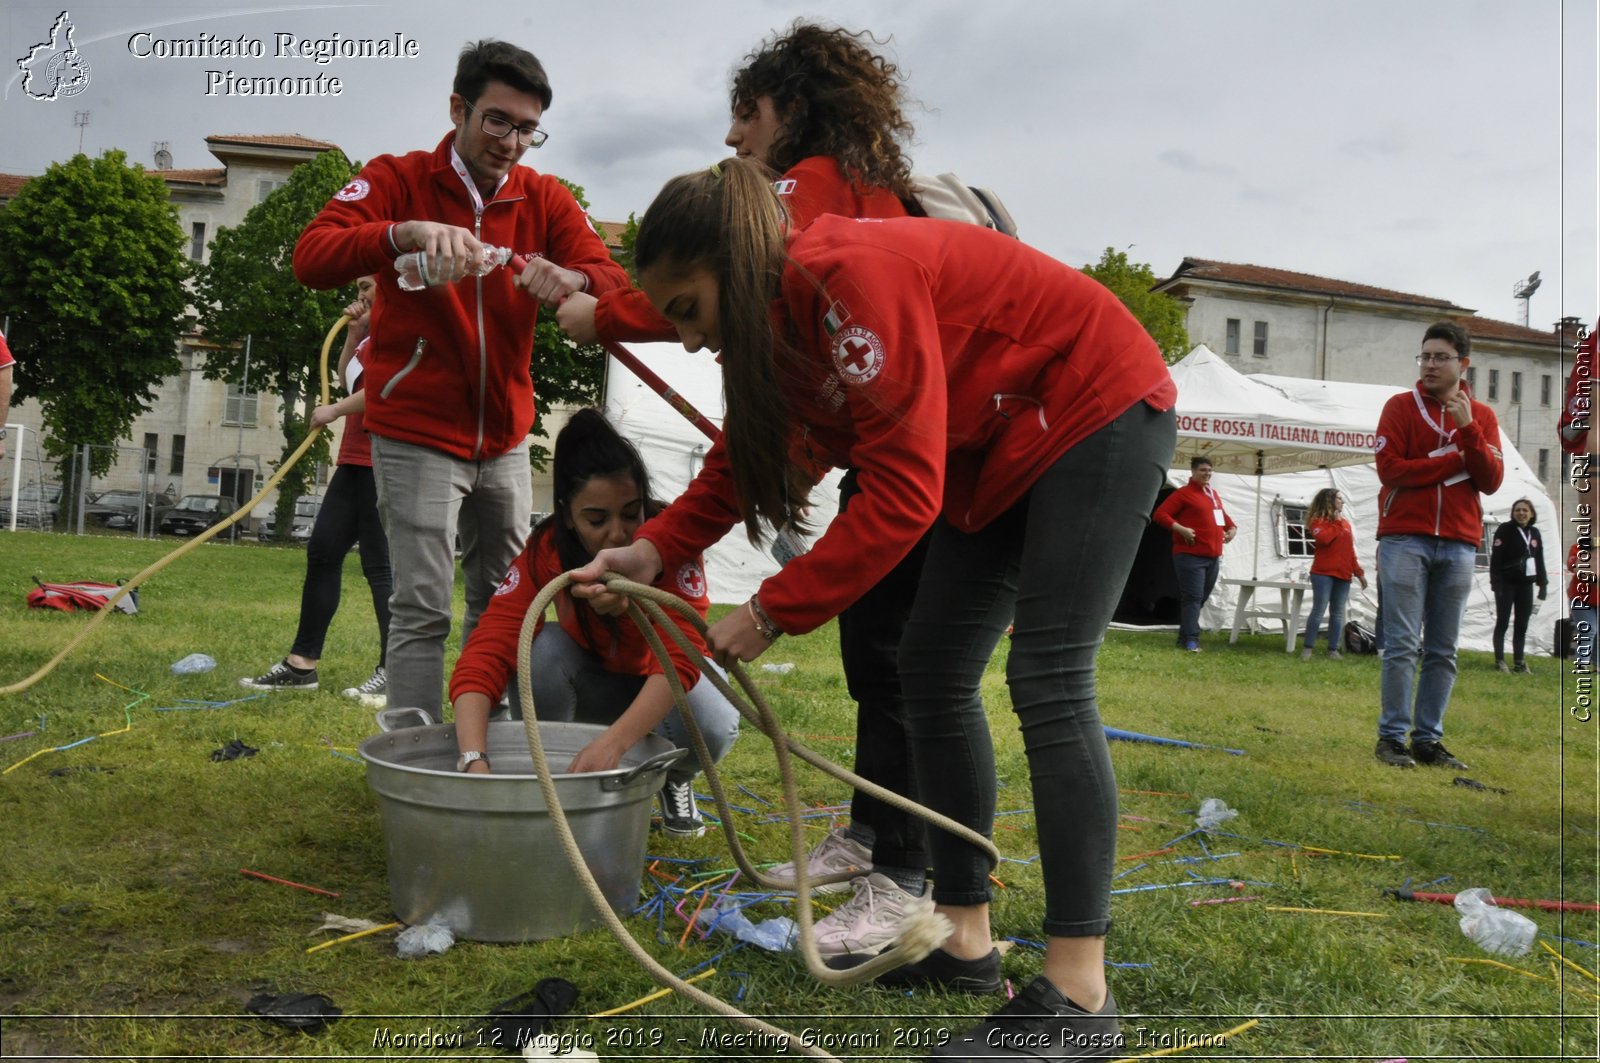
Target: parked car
(37,507)
(195,514)
(120,509)
(305,515)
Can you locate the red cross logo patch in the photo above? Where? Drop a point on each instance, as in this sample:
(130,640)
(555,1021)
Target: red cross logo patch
(509,584)
(692,580)
(356,189)
(857,354)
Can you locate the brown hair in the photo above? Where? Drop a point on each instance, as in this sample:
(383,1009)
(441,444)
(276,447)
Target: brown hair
(1322,505)
(726,220)
(834,96)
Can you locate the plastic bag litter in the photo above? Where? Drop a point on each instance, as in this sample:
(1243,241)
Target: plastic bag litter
(1213,813)
(774,935)
(778,669)
(344,924)
(415,941)
(1491,927)
(193,664)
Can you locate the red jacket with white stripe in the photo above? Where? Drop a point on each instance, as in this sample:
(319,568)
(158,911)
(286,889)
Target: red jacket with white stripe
(490,656)
(1195,508)
(950,366)
(449,365)
(810,188)
(1431,472)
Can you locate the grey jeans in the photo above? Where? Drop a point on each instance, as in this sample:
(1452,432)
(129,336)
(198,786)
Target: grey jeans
(425,497)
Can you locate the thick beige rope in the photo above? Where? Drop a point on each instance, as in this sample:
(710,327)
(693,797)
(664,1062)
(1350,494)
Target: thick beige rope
(206,536)
(920,937)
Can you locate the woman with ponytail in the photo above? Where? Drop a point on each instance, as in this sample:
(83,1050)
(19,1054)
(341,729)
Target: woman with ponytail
(981,389)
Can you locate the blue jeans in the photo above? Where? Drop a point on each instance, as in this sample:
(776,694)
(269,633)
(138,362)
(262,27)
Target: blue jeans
(425,496)
(1197,577)
(1327,593)
(570,685)
(1425,581)
(1057,562)
(1583,635)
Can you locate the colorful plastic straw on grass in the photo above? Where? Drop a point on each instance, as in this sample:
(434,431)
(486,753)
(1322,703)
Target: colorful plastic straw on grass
(1119,735)
(642,1001)
(351,937)
(286,882)
(1325,911)
(127,714)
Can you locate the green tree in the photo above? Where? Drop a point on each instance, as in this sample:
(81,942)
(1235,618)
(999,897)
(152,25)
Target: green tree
(1161,315)
(92,271)
(249,301)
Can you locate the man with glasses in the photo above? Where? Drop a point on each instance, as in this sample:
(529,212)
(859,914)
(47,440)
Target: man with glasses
(448,382)
(1438,448)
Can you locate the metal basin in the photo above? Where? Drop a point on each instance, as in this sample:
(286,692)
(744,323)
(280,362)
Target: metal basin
(479,853)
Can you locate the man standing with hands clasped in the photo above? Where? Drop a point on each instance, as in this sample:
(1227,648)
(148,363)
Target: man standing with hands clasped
(449,388)
(1437,450)
(1200,527)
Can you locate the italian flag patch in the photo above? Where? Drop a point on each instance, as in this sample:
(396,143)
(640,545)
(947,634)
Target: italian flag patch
(835,318)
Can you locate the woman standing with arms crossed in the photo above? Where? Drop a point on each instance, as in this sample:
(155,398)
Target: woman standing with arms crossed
(1516,564)
(821,109)
(1331,570)
(986,412)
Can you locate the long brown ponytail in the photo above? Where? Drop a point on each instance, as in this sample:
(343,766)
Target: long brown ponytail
(727,220)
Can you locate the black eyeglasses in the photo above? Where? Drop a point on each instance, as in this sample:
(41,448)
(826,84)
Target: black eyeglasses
(529,136)
(1422,359)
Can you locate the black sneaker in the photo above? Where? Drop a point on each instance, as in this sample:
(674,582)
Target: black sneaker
(1434,754)
(1522,667)
(678,812)
(1040,1024)
(938,969)
(282,676)
(1392,751)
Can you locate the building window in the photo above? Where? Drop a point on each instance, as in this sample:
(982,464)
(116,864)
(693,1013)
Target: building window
(1472,378)
(239,408)
(150,442)
(1544,461)
(1231,344)
(266,188)
(1289,525)
(197,241)
(1494,384)
(1516,387)
(1260,350)
(1544,390)
(1481,562)
(177,456)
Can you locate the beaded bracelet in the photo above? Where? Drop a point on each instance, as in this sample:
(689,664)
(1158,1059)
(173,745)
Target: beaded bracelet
(764,625)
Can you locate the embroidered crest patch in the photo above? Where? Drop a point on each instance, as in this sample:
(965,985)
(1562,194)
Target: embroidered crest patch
(692,580)
(356,189)
(858,354)
(1383,441)
(510,583)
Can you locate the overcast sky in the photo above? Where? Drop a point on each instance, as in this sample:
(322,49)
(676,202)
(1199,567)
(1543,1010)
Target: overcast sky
(1440,147)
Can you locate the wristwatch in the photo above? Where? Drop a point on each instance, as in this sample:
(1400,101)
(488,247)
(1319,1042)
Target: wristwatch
(2,431)
(469,756)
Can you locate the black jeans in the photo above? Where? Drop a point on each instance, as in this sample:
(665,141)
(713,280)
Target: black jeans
(869,645)
(1057,562)
(1512,598)
(349,514)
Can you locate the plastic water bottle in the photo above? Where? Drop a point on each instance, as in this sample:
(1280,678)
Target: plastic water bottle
(193,664)
(413,267)
(1491,927)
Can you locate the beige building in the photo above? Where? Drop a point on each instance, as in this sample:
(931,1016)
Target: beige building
(205,436)
(1268,320)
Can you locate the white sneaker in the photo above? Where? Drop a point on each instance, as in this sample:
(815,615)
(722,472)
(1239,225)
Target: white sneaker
(836,854)
(869,921)
(374,693)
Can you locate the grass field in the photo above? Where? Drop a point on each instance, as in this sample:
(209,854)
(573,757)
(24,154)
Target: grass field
(126,930)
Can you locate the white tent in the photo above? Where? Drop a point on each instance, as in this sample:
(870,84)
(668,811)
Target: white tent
(1335,415)
(1324,429)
